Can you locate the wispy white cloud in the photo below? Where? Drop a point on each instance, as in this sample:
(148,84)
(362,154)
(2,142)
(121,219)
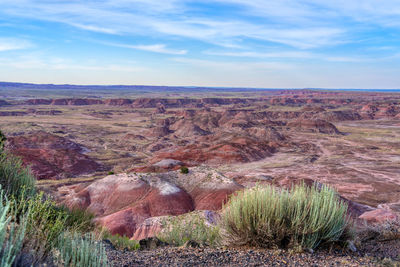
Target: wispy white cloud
(156,48)
(7,44)
(94,28)
(294,55)
(37,62)
(252,54)
(173,19)
(232,65)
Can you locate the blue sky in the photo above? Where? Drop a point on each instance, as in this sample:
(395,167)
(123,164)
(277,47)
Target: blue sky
(251,43)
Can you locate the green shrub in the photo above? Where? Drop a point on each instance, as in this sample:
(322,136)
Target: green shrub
(110,173)
(14,178)
(78,220)
(121,242)
(45,222)
(184,170)
(181,229)
(11,234)
(2,141)
(76,251)
(302,217)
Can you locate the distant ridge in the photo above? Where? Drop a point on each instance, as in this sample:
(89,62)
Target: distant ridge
(15,85)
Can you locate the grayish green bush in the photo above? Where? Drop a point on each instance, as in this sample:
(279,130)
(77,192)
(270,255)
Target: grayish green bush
(76,251)
(11,234)
(14,178)
(301,217)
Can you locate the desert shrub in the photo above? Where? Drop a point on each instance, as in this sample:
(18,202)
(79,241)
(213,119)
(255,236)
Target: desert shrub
(302,217)
(2,141)
(78,220)
(121,242)
(184,170)
(110,173)
(14,178)
(45,222)
(73,250)
(11,234)
(181,229)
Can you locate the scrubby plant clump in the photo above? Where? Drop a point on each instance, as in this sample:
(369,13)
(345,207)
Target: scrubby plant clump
(14,178)
(76,251)
(302,217)
(184,170)
(121,242)
(2,141)
(11,234)
(181,229)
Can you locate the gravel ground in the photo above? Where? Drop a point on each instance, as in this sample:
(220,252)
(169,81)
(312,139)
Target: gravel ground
(172,256)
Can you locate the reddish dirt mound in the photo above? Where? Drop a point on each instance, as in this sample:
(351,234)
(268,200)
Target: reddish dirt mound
(217,150)
(51,156)
(56,163)
(123,201)
(317,126)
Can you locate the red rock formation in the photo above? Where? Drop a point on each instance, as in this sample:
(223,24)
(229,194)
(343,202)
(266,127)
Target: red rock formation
(51,156)
(378,216)
(123,201)
(56,163)
(148,228)
(118,102)
(38,102)
(317,125)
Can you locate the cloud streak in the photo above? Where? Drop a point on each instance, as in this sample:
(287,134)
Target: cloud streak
(7,44)
(156,48)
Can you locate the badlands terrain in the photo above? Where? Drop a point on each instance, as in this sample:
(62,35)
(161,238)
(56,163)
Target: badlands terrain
(119,155)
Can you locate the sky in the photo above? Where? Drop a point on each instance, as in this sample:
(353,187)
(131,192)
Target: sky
(226,43)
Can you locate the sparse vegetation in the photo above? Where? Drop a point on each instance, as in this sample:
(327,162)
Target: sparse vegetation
(74,250)
(11,234)
(121,242)
(2,141)
(110,173)
(184,170)
(14,178)
(302,217)
(181,229)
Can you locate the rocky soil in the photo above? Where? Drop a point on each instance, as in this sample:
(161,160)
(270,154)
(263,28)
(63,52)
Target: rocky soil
(238,257)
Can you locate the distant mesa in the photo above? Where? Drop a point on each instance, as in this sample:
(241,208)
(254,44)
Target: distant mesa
(314,125)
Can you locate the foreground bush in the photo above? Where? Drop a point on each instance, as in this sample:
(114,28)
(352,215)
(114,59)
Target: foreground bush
(301,217)
(181,229)
(11,234)
(14,178)
(77,251)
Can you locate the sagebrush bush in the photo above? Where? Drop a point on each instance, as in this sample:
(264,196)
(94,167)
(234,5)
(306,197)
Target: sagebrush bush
(302,217)
(181,229)
(14,178)
(45,222)
(2,141)
(73,250)
(11,234)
